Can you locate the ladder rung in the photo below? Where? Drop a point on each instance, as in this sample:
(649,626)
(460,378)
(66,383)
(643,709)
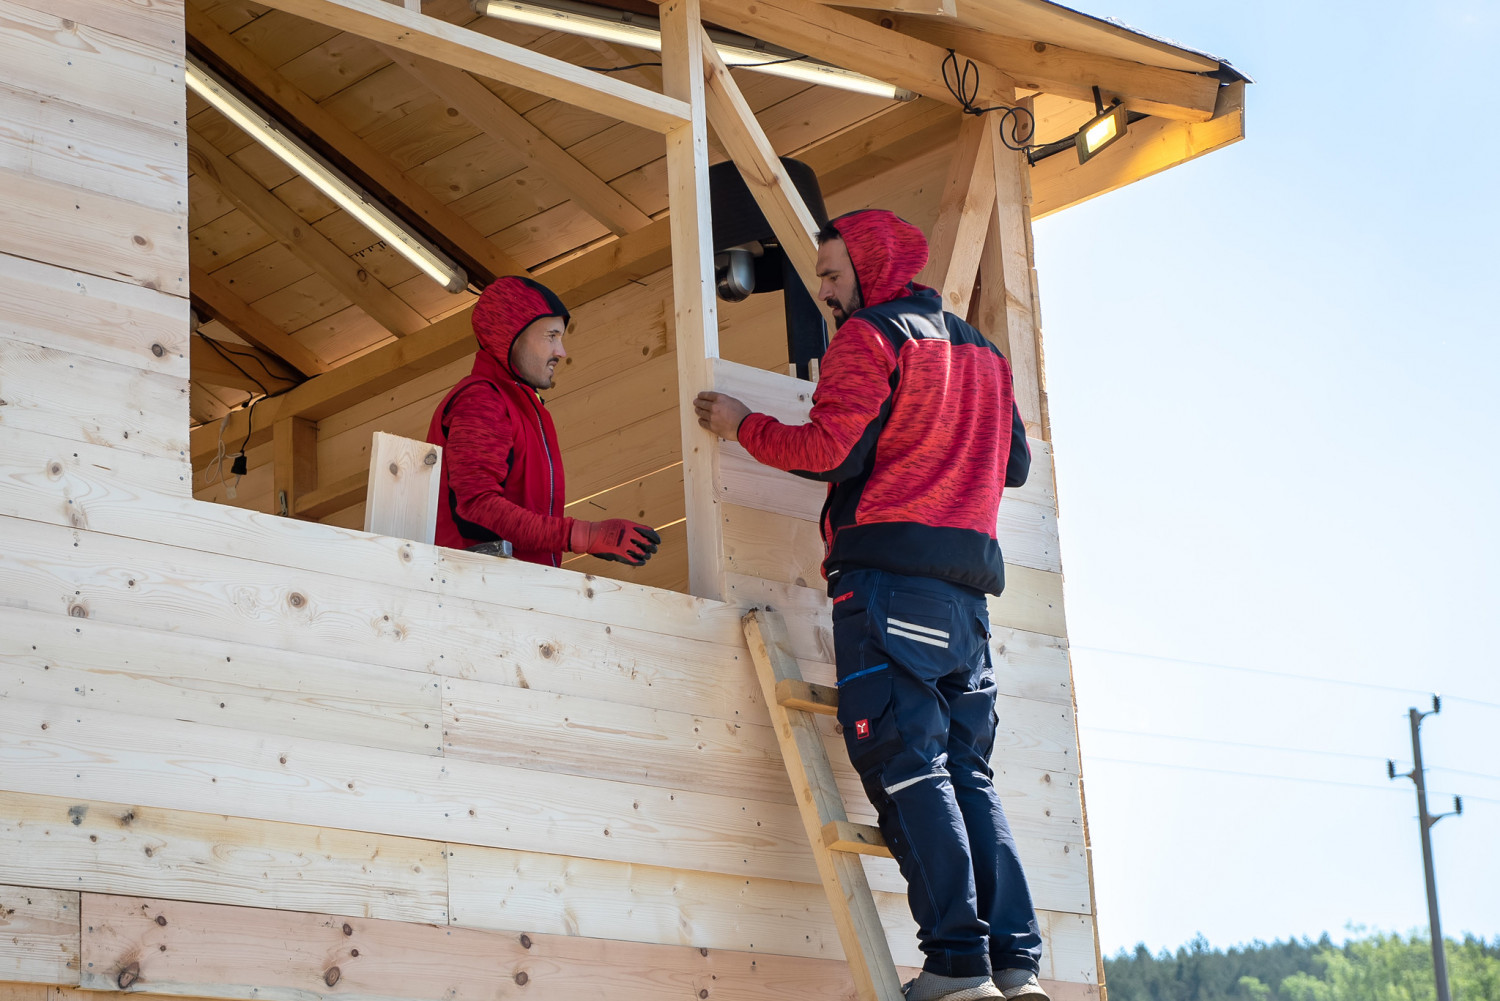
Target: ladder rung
(807,696)
(857,839)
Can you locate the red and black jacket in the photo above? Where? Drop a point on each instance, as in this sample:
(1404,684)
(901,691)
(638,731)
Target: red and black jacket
(914,425)
(502,472)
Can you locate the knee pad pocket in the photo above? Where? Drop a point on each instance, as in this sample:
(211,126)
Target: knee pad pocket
(868,718)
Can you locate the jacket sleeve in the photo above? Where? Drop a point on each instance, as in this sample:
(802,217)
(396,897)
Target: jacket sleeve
(481,433)
(850,406)
(1018,466)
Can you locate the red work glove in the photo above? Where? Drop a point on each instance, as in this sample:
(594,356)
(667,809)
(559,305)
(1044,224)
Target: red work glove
(617,539)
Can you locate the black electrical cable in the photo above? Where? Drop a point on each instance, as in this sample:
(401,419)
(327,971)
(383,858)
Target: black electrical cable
(222,354)
(964,86)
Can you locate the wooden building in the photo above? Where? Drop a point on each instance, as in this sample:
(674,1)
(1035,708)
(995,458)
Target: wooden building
(251,751)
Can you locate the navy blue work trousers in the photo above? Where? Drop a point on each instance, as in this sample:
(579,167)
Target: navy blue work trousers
(917,707)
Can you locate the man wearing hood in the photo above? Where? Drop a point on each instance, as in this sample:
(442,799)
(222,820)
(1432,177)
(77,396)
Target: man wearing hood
(502,474)
(915,429)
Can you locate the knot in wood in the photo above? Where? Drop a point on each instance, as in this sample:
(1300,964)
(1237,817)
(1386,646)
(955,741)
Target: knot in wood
(546,651)
(703,993)
(430,459)
(395,469)
(55,469)
(526,941)
(138,240)
(78,611)
(521,979)
(296,600)
(347,929)
(331,975)
(161,919)
(158,350)
(1040,46)
(128,976)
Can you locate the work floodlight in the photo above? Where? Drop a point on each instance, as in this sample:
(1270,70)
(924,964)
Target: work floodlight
(1100,131)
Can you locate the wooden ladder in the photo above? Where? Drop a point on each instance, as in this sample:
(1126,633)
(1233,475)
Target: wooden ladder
(835,841)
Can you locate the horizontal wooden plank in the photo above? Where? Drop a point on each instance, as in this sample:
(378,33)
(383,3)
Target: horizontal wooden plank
(99,235)
(156,24)
(56,392)
(553,894)
(109,320)
(55,55)
(116,508)
(184,766)
(105,847)
(151,674)
(80,573)
(1070,954)
(38,935)
(49,477)
(209,951)
(51,137)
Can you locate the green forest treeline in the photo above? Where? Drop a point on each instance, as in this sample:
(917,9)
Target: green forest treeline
(1375,968)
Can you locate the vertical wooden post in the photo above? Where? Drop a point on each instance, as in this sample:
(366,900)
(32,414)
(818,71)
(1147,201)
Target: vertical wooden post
(964,215)
(294,466)
(1006,311)
(695,309)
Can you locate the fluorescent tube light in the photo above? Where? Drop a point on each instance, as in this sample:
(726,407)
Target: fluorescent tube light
(630,29)
(323,175)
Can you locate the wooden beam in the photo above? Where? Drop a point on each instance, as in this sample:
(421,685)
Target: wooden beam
(40,944)
(402,497)
(467,240)
(1150,147)
(737,128)
(484,109)
(695,308)
(265,371)
(1054,69)
(1006,311)
(294,466)
(964,214)
(491,58)
(845,40)
(1052,22)
(319,503)
(937,8)
(297,235)
(216,299)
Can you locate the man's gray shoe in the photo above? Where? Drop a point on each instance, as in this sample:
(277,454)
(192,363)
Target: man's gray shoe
(1019,984)
(932,987)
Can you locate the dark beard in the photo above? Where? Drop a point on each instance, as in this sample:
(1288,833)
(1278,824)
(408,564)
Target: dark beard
(839,316)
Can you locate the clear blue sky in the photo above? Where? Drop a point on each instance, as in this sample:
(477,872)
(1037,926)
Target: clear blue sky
(1272,374)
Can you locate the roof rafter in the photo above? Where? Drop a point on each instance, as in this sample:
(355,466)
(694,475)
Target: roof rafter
(488,57)
(216,299)
(379,169)
(851,42)
(486,110)
(297,235)
(745,141)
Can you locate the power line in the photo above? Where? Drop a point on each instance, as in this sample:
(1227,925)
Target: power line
(1282,674)
(1275,747)
(1173,766)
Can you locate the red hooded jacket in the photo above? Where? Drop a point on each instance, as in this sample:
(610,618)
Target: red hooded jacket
(502,473)
(914,424)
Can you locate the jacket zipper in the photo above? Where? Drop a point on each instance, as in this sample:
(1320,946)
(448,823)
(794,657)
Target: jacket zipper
(551,469)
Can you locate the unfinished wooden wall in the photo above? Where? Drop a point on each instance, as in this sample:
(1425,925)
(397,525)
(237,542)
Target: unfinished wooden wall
(244,756)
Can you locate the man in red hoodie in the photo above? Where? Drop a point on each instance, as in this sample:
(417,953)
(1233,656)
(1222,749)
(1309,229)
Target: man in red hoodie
(915,429)
(502,474)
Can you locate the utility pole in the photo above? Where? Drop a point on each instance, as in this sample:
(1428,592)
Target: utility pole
(1426,820)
